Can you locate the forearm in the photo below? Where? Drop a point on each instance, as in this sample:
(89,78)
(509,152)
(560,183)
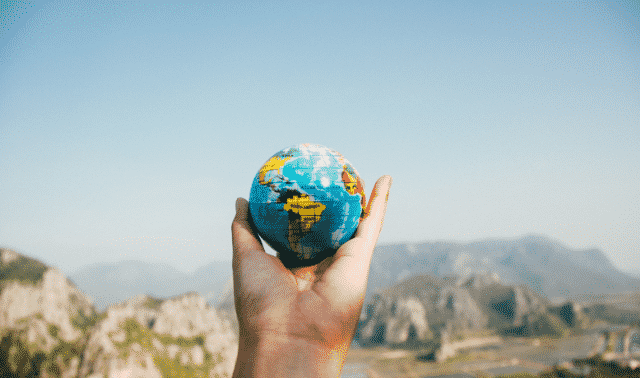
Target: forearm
(285,357)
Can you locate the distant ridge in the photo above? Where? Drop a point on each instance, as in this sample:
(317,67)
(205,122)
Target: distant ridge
(546,265)
(111,283)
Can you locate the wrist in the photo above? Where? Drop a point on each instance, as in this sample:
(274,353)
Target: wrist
(285,356)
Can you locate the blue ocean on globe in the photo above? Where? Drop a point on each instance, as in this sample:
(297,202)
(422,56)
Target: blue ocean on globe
(305,202)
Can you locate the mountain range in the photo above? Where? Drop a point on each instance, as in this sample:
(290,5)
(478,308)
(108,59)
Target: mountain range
(111,283)
(159,321)
(547,266)
(422,308)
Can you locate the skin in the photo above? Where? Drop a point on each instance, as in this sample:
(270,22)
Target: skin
(299,322)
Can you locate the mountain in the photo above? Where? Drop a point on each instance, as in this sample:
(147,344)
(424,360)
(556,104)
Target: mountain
(421,308)
(617,308)
(149,337)
(632,273)
(111,283)
(50,328)
(33,294)
(546,266)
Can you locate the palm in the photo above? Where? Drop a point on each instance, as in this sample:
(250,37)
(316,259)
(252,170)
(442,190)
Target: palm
(320,303)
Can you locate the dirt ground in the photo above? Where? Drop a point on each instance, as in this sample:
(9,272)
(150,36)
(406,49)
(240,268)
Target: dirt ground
(511,355)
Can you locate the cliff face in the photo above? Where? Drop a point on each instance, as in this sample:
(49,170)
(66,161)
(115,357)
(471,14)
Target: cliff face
(49,328)
(147,337)
(421,308)
(43,318)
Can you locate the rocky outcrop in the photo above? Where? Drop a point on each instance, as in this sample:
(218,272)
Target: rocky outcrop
(147,337)
(398,322)
(43,317)
(49,328)
(53,299)
(424,309)
(571,313)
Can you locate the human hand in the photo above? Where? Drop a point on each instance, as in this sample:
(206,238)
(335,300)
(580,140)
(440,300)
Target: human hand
(300,321)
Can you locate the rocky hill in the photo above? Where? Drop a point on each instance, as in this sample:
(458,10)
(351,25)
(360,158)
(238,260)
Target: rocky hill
(421,308)
(148,337)
(617,308)
(546,266)
(49,328)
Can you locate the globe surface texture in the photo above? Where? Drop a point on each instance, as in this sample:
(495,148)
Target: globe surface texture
(305,202)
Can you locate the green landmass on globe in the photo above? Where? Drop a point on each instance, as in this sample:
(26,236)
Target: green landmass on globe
(306,201)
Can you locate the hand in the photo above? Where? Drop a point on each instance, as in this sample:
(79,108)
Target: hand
(300,322)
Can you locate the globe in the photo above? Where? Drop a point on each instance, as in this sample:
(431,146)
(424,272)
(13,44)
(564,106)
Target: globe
(305,202)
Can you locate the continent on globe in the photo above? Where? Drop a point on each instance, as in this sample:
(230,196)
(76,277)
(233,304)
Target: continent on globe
(306,201)
(303,214)
(354,185)
(273,164)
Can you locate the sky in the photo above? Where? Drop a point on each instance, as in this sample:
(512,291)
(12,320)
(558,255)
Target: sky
(128,129)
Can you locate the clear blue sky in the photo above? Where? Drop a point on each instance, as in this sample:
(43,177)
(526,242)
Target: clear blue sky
(128,129)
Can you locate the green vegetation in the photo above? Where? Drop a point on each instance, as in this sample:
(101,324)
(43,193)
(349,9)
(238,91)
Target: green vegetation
(473,333)
(16,360)
(20,334)
(19,358)
(135,333)
(60,358)
(463,356)
(23,269)
(522,374)
(152,303)
(169,367)
(541,324)
(85,323)
(173,368)
(54,330)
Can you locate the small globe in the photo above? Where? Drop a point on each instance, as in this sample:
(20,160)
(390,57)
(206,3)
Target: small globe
(305,202)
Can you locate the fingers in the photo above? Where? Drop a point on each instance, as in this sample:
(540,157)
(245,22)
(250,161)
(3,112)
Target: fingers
(243,235)
(346,278)
(371,225)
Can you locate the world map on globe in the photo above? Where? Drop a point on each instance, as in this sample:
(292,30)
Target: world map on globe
(306,201)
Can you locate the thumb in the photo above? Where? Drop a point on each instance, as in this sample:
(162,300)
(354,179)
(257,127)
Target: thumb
(243,233)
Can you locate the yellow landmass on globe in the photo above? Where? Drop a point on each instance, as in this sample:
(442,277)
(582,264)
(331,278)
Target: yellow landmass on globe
(309,211)
(354,185)
(275,163)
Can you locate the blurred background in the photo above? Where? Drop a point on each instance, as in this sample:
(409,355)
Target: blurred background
(511,242)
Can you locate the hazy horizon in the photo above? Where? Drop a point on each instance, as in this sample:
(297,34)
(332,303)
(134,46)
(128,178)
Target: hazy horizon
(128,129)
(180,269)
